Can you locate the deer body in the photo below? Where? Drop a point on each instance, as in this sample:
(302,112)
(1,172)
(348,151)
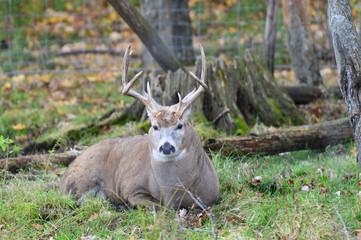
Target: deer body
(162,167)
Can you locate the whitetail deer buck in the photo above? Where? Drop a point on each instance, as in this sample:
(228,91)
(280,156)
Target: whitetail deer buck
(151,168)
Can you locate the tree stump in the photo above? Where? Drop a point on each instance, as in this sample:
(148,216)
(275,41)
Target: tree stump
(238,94)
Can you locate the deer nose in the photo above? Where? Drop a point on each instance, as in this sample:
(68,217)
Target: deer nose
(166,148)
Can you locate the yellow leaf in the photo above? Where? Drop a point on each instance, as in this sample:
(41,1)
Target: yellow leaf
(353,151)
(233,29)
(7,85)
(60,112)
(68,6)
(113,16)
(18,127)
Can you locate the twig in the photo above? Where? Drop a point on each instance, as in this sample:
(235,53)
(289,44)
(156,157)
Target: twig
(231,226)
(222,114)
(344,226)
(198,202)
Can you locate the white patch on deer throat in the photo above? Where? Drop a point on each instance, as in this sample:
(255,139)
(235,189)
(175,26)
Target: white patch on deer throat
(161,157)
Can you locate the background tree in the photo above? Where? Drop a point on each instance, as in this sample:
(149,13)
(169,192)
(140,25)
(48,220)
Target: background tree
(348,58)
(147,34)
(300,43)
(270,35)
(171,20)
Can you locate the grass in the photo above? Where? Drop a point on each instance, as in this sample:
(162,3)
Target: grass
(278,206)
(275,207)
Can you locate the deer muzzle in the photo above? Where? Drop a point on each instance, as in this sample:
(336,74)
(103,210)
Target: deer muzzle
(166,148)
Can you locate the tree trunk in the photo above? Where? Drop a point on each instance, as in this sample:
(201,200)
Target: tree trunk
(306,94)
(147,34)
(270,35)
(299,42)
(170,18)
(348,58)
(316,136)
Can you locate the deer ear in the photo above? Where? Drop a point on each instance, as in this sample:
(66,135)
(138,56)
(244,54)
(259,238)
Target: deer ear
(186,112)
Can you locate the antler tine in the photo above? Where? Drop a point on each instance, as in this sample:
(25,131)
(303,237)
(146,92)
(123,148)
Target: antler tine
(179,104)
(192,96)
(148,101)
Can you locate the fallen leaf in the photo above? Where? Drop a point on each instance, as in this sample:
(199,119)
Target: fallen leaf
(235,220)
(57,172)
(305,188)
(256,181)
(358,234)
(18,127)
(95,216)
(353,151)
(37,226)
(290,181)
(324,190)
(7,85)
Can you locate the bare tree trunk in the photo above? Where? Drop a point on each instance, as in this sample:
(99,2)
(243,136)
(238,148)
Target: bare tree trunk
(299,42)
(147,34)
(270,35)
(348,58)
(170,18)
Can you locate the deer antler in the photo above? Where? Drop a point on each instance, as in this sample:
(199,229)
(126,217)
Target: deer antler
(192,96)
(146,98)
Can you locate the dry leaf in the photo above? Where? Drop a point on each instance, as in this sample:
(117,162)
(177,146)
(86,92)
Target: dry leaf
(324,190)
(95,216)
(18,127)
(305,188)
(235,220)
(37,226)
(256,181)
(7,85)
(353,151)
(358,234)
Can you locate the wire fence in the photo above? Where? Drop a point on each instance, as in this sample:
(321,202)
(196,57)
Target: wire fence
(48,36)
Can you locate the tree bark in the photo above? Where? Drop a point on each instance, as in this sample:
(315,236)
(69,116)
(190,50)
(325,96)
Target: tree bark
(315,136)
(348,58)
(170,18)
(147,34)
(306,94)
(299,42)
(270,35)
(14,164)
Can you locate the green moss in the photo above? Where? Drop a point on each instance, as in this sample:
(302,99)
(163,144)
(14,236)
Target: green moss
(243,127)
(277,112)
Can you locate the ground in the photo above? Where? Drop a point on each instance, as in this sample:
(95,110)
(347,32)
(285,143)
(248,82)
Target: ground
(304,194)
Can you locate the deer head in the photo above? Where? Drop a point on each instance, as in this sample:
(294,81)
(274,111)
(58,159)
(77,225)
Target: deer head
(169,125)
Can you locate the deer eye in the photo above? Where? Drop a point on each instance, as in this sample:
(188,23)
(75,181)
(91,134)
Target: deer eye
(155,127)
(179,126)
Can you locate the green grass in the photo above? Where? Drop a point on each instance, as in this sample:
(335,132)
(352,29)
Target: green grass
(275,208)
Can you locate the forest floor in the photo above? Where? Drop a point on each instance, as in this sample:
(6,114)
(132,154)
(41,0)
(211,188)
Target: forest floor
(303,194)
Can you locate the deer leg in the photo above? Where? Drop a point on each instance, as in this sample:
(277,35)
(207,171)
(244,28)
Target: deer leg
(92,193)
(144,199)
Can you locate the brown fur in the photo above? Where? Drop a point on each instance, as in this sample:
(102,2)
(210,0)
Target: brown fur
(125,170)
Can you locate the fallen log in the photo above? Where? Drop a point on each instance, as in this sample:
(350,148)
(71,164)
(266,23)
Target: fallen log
(306,94)
(14,164)
(314,136)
